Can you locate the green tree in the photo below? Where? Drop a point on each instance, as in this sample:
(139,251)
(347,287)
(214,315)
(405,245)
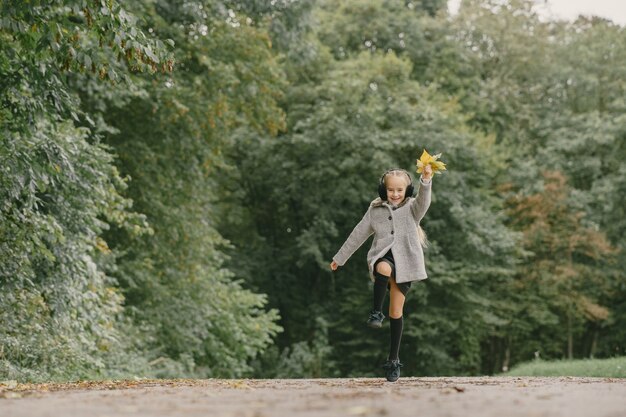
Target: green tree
(549,110)
(60,310)
(196,317)
(305,192)
(561,272)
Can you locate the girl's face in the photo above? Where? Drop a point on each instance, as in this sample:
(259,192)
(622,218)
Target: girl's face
(396,187)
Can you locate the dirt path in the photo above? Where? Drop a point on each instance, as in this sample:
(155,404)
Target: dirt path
(484,397)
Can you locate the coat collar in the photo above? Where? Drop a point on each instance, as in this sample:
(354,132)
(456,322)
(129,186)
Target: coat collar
(379,202)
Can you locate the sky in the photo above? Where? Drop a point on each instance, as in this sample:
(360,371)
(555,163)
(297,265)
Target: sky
(614,10)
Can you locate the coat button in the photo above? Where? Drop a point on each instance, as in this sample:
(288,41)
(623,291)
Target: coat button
(389,217)
(392,232)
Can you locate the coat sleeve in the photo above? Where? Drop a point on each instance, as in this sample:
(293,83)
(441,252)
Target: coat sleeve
(359,235)
(419,206)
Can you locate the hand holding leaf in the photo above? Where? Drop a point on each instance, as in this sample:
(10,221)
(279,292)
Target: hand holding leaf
(430,160)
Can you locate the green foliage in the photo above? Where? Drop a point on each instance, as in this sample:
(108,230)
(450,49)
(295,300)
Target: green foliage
(178,220)
(89,289)
(59,306)
(61,310)
(195,315)
(533,82)
(304,359)
(81,36)
(599,368)
(361,110)
(562,263)
(342,136)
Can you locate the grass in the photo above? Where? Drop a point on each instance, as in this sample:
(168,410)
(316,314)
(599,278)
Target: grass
(607,368)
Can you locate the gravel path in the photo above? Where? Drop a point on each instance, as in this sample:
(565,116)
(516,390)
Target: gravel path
(483,396)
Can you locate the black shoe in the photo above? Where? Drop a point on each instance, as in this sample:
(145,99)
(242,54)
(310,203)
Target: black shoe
(376,319)
(392,370)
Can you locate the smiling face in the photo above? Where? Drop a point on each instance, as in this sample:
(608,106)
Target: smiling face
(396,187)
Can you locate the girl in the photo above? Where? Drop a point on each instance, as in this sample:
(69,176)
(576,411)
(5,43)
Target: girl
(396,258)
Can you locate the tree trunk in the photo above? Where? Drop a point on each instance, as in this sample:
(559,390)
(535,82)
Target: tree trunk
(570,338)
(495,355)
(507,356)
(594,344)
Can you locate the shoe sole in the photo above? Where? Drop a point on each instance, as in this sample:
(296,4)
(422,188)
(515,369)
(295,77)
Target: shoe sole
(375,325)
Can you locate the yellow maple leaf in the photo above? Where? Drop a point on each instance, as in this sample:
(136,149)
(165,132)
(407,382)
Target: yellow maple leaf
(432,160)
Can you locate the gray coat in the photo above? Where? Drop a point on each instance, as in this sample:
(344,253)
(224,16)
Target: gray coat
(393,228)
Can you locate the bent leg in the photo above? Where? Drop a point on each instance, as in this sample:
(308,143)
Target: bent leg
(382,272)
(383,267)
(397,300)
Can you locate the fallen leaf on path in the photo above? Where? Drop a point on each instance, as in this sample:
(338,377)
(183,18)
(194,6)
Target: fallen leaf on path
(239,385)
(358,410)
(8,384)
(10,394)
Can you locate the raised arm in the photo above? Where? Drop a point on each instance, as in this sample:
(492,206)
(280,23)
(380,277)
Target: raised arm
(359,235)
(419,206)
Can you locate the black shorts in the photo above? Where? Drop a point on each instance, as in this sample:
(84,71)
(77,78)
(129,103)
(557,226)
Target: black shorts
(388,257)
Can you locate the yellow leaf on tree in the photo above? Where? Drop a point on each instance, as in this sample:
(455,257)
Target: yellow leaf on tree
(432,160)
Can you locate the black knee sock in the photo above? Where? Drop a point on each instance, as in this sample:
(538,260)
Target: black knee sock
(396,336)
(380,289)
